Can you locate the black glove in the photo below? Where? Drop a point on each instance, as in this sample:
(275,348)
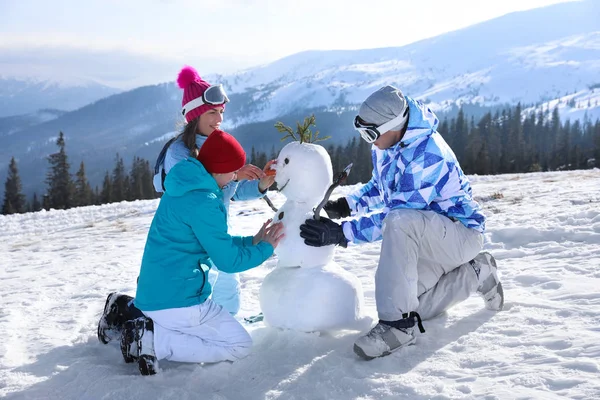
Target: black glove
(336,209)
(323,232)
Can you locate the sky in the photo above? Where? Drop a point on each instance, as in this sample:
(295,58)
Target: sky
(543,228)
(127,42)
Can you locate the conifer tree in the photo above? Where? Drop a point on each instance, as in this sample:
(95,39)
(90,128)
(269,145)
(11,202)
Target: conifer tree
(14,200)
(119,181)
(106,193)
(60,185)
(83,190)
(35,203)
(135,179)
(461,135)
(97,199)
(140,180)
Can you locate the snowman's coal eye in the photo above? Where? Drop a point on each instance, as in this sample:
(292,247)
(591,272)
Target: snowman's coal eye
(281,215)
(287,161)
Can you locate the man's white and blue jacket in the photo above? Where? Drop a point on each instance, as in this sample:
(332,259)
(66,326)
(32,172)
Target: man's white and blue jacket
(420,172)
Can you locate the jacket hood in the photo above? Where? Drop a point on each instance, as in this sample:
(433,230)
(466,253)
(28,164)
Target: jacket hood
(421,121)
(188,175)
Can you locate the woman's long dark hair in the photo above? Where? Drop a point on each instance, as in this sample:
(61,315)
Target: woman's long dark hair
(188,135)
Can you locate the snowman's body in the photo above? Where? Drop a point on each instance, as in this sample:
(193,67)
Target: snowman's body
(307,291)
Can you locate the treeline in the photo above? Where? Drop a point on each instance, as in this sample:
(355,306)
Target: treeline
(65,190)
(508,142)
(500,142)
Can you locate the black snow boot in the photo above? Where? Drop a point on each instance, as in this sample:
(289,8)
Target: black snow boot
(117,309)
(147,362)
(129,342)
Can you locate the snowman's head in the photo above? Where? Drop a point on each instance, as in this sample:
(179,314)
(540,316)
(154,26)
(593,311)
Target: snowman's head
(303,172)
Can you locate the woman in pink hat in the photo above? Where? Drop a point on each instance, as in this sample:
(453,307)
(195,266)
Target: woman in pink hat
(203,106)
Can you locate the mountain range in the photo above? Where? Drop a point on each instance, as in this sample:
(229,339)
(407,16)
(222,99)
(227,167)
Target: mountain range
(20,96)
(544,57)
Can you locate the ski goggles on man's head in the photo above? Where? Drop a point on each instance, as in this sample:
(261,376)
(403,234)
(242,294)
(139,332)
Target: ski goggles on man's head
(213,95)
(371,132)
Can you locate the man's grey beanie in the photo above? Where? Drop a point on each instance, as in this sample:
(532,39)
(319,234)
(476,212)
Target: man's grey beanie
(384,105)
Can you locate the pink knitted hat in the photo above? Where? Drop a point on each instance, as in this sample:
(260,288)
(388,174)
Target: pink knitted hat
(193,86)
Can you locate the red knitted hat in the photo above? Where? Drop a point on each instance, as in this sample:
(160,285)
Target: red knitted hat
(193,86)
(221,153)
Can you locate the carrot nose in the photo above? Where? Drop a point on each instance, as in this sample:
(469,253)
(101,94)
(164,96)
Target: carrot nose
(269,168)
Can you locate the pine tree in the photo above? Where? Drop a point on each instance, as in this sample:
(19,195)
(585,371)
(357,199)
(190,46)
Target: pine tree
(515,139)
(461,135)
(97,198)
(35,203)
(135,179)
(106,193)
(148,191)
(119,181)
(14,200)
(83,190)
(596,138)
(60,185)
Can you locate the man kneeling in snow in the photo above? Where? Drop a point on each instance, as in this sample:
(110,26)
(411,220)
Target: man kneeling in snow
(421,207)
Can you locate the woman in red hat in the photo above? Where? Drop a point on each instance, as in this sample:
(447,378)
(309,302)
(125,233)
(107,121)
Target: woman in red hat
(188,236)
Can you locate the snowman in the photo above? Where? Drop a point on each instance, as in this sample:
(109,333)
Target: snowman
(307,291)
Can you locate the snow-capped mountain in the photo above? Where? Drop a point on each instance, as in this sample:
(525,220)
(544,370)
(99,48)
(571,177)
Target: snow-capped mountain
(26,95)
(529,57)
(541,58)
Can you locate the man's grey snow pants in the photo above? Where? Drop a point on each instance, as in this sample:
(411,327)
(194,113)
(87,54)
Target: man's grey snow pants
(423,265)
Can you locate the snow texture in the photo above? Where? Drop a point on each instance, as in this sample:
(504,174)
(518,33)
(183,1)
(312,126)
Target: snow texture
(544,228)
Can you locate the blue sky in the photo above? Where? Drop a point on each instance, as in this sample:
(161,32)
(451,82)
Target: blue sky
(126,43)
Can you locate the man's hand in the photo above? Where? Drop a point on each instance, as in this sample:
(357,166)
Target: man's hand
(337,209)
(323,232)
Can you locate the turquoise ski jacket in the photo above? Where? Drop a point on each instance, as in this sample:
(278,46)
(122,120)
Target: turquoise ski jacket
(187,237)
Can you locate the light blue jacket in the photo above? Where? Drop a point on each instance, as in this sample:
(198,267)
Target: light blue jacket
(420,172)
(188,235)
(239,191)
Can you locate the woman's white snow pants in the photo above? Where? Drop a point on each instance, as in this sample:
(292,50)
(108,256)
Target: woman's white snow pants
(202,333)
(422,264)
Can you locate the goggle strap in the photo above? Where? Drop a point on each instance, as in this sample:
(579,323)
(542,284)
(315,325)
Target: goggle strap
(391,124)
(198,101)
(191,105)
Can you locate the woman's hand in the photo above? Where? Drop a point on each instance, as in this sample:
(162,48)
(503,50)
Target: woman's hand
(250,172)
(267,181)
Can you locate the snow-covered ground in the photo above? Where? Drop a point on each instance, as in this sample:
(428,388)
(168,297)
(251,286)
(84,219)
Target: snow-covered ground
(57,267)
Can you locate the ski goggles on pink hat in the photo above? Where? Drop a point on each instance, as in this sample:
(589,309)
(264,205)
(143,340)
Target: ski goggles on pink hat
(213,95)
(371,132)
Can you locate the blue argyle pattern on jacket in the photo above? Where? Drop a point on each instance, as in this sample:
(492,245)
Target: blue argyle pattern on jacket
(421,172)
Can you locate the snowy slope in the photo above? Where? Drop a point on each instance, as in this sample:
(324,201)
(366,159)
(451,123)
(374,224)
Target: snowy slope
(528,57)
(581,105)
(544,228)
